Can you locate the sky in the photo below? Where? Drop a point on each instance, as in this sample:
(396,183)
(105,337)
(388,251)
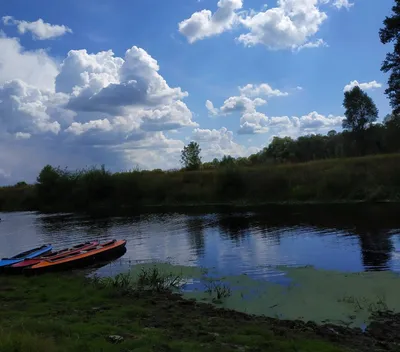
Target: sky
(128,83)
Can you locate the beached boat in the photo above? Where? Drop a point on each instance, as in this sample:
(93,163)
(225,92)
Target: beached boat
(100,252)
(32,253)
(52,256)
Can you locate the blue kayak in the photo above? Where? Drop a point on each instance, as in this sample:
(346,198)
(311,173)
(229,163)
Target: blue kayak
(32,253)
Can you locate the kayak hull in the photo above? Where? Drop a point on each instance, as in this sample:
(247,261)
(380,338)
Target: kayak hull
(91,257)
(32,253)
(19,267)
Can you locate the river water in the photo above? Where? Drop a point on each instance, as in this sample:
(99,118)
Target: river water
(352,238)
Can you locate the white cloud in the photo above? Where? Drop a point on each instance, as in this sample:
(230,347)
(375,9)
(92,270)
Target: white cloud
(92,109)
(212,111)
(169,117)
(253,122)
(241,104)
(342,3)
(289,126)
(35,68)
(22,135)
(247,101)
(205,24)
(40,30)
(363,86)
(217,143)
(315,122)
(107,84)
(23,110)
(292,24)
(264,89)
(313,44)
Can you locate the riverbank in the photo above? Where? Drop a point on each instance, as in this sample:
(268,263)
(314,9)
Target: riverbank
(366,179)
(70,313)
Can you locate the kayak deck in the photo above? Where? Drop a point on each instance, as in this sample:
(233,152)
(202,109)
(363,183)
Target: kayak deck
(32,253)
(84,257)
(57,255)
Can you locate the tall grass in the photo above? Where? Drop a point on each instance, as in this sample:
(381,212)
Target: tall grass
(371,178)
(148,279)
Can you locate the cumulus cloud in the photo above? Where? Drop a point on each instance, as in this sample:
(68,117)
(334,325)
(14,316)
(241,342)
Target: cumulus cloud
(90,109)
(264,89)
(364,86)
(292,24)
(107,84)
(23,109)
(35,68)
(40,30)
(248,100)
(205,24)
(253,122)
(241,104)
(289,126)
(217,143)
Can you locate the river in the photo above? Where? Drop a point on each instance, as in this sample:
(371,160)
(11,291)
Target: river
(352,238)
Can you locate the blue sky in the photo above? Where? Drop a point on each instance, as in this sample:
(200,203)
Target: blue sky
(125,109)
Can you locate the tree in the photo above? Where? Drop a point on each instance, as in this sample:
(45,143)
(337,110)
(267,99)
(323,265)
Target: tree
(390,33)
(361,110)
(281,149)
(190,156)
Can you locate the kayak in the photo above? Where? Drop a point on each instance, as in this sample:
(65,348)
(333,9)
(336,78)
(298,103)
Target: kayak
(90,256)
(54,255)
(32,253)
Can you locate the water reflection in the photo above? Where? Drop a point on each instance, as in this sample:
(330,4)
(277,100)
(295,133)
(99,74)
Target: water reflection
(377,247)
(195,228)
(348,238)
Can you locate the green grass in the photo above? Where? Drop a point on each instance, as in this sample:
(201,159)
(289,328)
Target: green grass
(69,313)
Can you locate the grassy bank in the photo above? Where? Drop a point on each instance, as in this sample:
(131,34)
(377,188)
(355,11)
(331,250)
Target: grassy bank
(70,313)
(371,178)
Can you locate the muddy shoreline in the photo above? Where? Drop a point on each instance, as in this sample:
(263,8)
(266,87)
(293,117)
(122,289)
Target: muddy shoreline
(382,334)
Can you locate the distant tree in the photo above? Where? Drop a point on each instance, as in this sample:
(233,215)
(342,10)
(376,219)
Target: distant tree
(190,156)
(392,121)
(215,162)
(281,149)
(48,176)
(227,161)
(360,112)
(389,33)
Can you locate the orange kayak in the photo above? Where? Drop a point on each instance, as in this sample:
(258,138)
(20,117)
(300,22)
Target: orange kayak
(57,255)
(90,256)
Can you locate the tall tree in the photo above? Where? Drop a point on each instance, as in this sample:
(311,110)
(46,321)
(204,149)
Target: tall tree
(360,112)
(190,156)
(391,33)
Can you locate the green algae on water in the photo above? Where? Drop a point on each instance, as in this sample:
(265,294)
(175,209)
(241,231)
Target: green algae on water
(313,295)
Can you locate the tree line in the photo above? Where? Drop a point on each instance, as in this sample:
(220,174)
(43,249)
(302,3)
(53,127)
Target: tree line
(361,134)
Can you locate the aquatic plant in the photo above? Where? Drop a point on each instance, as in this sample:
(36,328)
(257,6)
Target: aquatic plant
(147,279)
(122,282)
(155,280)
(219,289)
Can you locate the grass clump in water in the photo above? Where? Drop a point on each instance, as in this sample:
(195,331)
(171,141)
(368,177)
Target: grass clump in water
(147,279)
(154,280)
(217,289)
